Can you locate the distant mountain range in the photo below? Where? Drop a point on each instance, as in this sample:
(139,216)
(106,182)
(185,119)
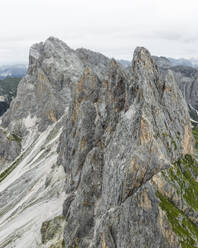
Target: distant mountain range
(186,75)
(19,70)
(13,71)
(167,62)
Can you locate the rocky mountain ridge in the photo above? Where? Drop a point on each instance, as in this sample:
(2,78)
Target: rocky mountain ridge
(186,77)
(103,155)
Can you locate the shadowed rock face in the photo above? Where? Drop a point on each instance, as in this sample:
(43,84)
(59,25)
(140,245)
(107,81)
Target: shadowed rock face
(124,142)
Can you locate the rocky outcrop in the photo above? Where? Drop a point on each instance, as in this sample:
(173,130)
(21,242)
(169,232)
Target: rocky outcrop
(31,181)
(10,145)
(98,62)
(186,77)
(45,93)
(126,147)
(120,134)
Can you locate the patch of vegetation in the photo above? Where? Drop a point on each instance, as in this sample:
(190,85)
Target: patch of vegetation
(50,229)
(8,89)
(182,176)
(14,137)
(185,229)
(174,143)
(6,172)
(195,134)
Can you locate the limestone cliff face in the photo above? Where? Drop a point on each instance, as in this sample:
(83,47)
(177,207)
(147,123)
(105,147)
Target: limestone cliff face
(126,147)
(45,93)
(120,134)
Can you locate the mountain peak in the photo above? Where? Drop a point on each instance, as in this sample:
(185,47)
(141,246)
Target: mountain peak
(57,43)
(143,58)
(102,147)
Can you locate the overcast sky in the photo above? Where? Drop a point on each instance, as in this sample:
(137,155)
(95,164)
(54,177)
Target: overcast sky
(112,27)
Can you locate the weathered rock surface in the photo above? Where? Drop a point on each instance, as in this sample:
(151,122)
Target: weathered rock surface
(10,145)
(186,77)
(45,92)
(32,186)
(120,134)
(126,146)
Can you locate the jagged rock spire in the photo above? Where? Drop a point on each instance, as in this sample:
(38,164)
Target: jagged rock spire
(121,134)
(142,131)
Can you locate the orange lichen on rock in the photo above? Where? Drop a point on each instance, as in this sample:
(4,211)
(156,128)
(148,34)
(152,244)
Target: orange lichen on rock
(187,140)
(145,135)
(52,117)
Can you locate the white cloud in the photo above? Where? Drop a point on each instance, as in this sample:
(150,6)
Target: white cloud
(113,27)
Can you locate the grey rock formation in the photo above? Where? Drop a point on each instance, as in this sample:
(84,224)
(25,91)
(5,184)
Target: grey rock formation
(10,145)
(31,187)
(98,62)
(120,133)
(187,79)
(45,92)
(123,138)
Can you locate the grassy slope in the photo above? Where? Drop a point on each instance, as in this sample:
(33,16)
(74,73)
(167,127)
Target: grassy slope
(183,214)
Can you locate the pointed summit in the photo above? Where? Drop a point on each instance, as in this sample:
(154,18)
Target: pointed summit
(145,75)
(143,63)
(124,136)
(57,43)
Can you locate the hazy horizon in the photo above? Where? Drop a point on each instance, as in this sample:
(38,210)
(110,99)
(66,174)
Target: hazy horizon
(113,28)
(25,62)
